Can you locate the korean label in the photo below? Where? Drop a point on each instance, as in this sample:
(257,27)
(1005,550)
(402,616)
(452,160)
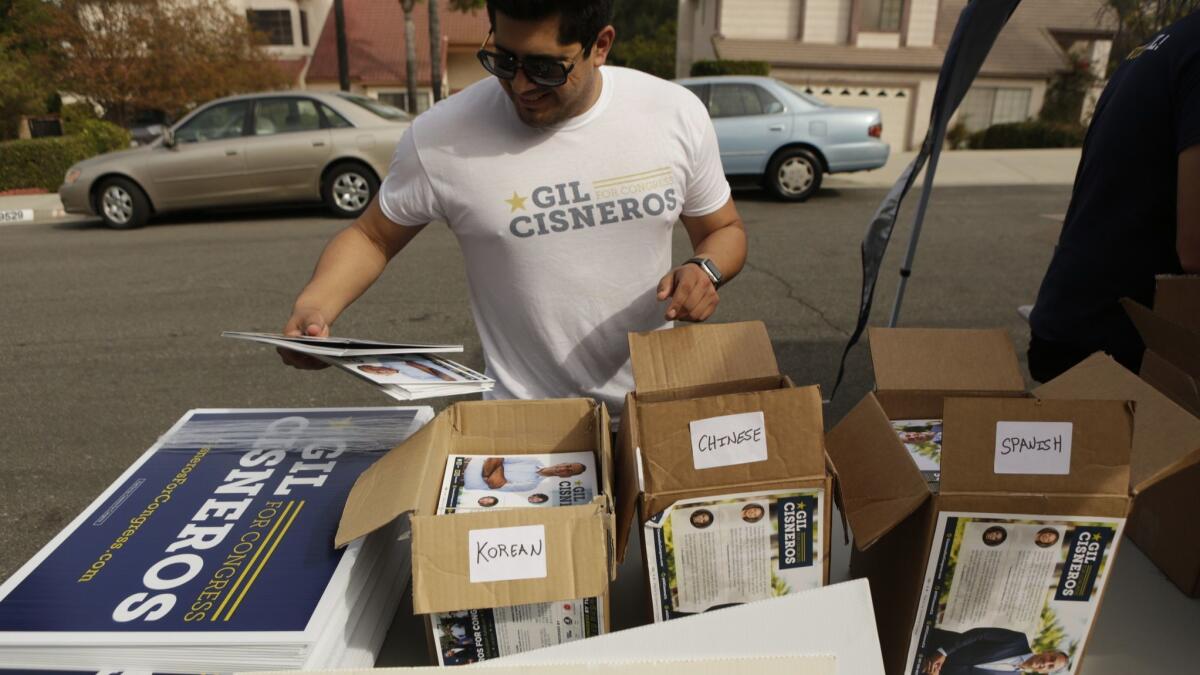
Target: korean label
(507,553)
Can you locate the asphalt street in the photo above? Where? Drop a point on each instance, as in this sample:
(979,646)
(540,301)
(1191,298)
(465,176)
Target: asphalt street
(110,336)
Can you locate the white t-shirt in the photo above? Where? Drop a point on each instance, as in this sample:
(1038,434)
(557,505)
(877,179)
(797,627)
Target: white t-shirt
(565,231)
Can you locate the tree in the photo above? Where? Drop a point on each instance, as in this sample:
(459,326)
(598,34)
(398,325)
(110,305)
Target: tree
(167,55)
(410,54)
(1139,20)
(25,62)
(645,36)
(435,50)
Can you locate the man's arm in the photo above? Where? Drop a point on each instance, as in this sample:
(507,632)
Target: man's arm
(719,236)
(1187,219)
(350,263)
(495,479)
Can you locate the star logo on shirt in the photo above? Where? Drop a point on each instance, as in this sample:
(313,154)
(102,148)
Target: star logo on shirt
(516,202)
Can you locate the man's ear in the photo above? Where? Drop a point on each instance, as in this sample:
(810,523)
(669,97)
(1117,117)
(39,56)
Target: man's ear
(602,45)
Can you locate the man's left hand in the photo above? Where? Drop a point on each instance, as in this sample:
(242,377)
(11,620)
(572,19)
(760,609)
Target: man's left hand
(692,294)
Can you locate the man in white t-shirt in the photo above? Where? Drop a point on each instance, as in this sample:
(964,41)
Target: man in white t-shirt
(562,179)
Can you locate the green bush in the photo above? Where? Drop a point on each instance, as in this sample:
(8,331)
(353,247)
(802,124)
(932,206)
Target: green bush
(40,162)
(1028,134)
(730,67)
(102,136)
(74,114)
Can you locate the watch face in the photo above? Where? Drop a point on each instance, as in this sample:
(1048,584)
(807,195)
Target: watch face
(712,270)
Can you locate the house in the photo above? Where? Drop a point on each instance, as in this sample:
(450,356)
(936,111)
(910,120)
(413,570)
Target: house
(375,46)
(289,27)
(886,53)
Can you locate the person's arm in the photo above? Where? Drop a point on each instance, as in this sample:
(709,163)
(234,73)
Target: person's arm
(491,464)
(350,263)
(496,479)
(719,236)
(1187,219)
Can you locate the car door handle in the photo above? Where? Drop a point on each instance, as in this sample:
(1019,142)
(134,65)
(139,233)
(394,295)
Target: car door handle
(318,144)
(775,127)
(230,152)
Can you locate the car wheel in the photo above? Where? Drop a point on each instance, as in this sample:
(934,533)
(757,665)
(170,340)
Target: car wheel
(794,174)
(348,188)
(122,204)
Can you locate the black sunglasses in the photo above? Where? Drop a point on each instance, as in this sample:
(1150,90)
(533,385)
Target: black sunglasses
(541,70)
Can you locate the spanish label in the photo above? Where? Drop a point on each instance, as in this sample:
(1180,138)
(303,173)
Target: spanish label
(507,553)
(1033,448)
(729,440)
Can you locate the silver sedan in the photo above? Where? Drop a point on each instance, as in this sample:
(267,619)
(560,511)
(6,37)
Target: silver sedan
(283,147)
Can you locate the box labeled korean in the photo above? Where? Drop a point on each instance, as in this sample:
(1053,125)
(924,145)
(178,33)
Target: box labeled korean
(511,523)
(1004,566)
(1165,472)
(916,368)
(723,468)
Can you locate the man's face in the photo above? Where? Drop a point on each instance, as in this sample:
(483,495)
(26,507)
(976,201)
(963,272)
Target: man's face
(537,105)
(1046,662)
(564,470)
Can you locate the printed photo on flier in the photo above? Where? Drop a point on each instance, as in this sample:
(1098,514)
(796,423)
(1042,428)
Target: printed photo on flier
(1007,593)
(484,482)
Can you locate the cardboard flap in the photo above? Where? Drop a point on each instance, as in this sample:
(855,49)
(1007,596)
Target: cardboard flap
(701,354)
(1169,339)
(1101,440)
(498,427)
(575,541)
(1176,384)
(879,484)
(627,472)
(1177,298)
(393,484)
(1166,438)
(944,360)
(794,439)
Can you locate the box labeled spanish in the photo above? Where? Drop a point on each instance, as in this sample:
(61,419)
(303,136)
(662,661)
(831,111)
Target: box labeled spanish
(916,368)
(1165,472)
(723,468)
(1004,566)
(511,521)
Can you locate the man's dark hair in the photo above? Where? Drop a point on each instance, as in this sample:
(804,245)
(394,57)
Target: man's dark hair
(579,20)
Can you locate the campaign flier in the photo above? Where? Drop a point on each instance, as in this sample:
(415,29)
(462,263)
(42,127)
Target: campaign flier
(216,538)
(410,369)
(923,440)
(713,552)
(483,482)
(1016,593)
(476,635)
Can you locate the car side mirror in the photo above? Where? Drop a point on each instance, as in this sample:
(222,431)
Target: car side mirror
(774,108)
(168,138)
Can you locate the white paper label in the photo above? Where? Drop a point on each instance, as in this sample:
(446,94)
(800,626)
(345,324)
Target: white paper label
(1033,448)
(729,440)
(507,553)
(16,216)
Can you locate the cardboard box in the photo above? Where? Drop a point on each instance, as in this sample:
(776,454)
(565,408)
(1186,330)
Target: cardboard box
(712,417)
(573,543)
(1171,332)
(892,511)
(908,538)
(916,369)
(1165,473)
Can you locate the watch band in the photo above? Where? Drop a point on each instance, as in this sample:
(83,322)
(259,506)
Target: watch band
(710,270)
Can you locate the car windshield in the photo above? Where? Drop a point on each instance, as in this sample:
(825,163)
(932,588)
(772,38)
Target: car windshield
(809,98)
(384,110)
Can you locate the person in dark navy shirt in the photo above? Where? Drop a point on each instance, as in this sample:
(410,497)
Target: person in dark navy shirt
(1135,207)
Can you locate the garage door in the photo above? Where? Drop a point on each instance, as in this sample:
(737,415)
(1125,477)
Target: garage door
(893,103)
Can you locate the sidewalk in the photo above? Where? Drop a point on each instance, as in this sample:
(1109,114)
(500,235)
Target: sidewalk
(974,167)
(24,209)
(955,168)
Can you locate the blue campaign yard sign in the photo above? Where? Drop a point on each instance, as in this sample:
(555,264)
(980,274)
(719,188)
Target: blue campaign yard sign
(225,525)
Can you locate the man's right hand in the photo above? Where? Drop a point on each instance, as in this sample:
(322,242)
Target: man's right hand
(934,665)
(306,322)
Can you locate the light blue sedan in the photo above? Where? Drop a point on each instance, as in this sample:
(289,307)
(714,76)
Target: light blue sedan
(784,138)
